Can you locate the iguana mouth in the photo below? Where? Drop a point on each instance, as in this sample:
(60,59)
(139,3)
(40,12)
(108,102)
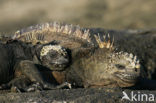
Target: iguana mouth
(127,77)
(59,65)
(61,62)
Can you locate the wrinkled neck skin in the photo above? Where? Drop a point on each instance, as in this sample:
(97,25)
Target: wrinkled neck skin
(74,73)
(36,51)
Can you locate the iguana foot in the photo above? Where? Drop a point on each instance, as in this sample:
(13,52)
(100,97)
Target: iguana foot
(34,87)
(64,85)
(15,89)
(46,86)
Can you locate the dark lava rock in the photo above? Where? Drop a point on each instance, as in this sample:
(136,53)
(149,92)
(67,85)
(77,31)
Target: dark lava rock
(105,95)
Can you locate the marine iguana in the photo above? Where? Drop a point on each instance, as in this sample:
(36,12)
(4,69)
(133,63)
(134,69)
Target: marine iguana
(19,63)
(103,67)
(91,66)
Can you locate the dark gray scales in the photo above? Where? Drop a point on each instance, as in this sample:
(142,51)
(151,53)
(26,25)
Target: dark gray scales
(18,65)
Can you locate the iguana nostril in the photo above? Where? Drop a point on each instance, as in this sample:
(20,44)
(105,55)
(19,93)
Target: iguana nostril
(136,69)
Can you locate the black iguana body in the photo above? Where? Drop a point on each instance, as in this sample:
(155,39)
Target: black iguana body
(19,60)
(91,66)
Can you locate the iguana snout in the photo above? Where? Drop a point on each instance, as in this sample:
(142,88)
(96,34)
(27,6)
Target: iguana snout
(128,69)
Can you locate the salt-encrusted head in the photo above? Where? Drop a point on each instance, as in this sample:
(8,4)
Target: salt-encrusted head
(54,57)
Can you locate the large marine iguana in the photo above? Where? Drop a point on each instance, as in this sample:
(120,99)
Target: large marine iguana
(92,65)
(19,63)
(139,42)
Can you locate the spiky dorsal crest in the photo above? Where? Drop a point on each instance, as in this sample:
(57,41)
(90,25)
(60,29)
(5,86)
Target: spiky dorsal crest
(105,43)
(33,37)
(35,33)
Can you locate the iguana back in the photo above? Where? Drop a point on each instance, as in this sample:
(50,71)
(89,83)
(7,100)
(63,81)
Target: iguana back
(68,36)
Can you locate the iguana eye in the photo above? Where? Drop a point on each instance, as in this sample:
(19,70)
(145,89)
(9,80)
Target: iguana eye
(52,55)
(119,66)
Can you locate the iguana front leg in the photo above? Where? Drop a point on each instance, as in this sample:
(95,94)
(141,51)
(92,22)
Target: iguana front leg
(30,71)
(28,78)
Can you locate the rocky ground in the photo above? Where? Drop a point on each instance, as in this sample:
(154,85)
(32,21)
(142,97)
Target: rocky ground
(104,95)
(140,42)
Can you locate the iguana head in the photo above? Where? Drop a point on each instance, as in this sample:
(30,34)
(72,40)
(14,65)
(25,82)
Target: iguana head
(105,67)
(54,57)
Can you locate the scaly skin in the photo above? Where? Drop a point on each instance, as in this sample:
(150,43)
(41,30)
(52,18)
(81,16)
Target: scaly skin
(19,60)
(91,66)
(103,67)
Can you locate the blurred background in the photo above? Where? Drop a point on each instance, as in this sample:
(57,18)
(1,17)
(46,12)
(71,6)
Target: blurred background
(108,14)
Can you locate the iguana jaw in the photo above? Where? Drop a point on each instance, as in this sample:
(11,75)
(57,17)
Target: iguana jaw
(126,79)
(118,79)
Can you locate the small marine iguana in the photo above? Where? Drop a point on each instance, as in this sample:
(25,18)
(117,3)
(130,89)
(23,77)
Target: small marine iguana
(19,63)
(91,65)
